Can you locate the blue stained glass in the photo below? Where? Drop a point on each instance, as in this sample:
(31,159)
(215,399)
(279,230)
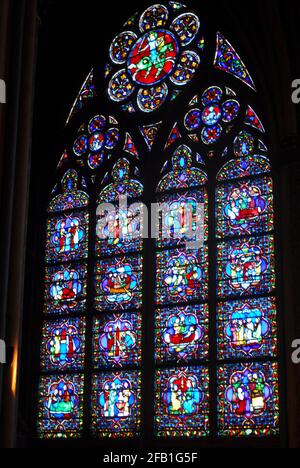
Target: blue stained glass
(122,185)
(246,267)
(67,237)
(60,406)
(116,405)
(212,94)
(211,115)
(96,123)
(182,402)
(118,283)
(71,198)
(182,220)
(96,142)
(228,60)
(117,340)
(248,400)
(181,334)
(120,231)
(183,174)
(192,120)
(63,344)
(247,328)
(244,167)
(181,276)
(65,289)
(245,207)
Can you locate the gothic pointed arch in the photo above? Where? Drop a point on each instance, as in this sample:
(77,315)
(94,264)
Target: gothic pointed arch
(180,127)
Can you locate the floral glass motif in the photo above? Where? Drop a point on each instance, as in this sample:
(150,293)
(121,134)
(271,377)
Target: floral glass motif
(117,340)
(217,113)
(182,402)
(247,329)
(181,276)
(97,142)
(67,237)
(116,405)
(60,406)
(246,266)
(181,334)
(248,400)
(118,283)
(65,289)
(72,198)
(245,207)
(63,344)
(228,60)
(157,53)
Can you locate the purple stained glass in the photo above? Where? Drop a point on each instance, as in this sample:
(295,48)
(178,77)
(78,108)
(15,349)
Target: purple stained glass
(118,283)
(181,334)
(247,329)
(116,401)
(182,402)
(246,267)
(117,340)
(181,276)
(248,400)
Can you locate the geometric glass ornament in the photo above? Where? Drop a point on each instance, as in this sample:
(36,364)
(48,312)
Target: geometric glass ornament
(228,60)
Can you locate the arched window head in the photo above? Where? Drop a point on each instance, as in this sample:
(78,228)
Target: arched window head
(179,330)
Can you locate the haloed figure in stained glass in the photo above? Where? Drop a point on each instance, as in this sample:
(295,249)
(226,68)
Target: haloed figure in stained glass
(183,334)
(117,399)
(62,400)
(183,395)
(118,340)
(67,236)
(245,206)
(248,393)
(119,284)
(64,344)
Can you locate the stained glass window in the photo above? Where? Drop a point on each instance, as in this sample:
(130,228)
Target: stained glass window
(63,344)
(247,327)
(204,291)
(60,406)
(116,401)
(182,334)
(182,402)
(117,340)
(118,288)
(248,399)
(157,53)
(63,334)
(182,278)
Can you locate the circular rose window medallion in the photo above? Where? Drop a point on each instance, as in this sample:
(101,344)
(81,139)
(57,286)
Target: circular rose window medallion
(153,57)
